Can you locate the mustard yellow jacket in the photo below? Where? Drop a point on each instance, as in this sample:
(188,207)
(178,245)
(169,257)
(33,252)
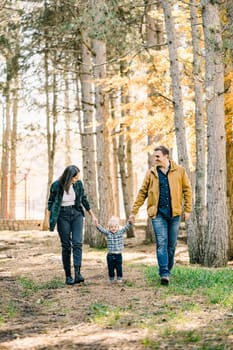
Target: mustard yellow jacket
(180,189)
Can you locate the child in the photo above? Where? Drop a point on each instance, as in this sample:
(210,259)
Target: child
(115,244)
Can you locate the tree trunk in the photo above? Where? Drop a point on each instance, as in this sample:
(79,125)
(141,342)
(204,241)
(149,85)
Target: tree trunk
(67,121)
(13,164)
(217,236)
(102,114)
(5,155)
(176,85)
(87,138)
(154,37)
(51,121)
(125,165)
(115,167)
(197,225)
(127,199)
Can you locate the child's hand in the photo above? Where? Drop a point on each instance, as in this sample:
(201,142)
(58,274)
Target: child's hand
(131,219)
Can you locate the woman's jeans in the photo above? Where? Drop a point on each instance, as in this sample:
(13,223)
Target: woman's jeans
(166,231)
(114,262)
(70,230)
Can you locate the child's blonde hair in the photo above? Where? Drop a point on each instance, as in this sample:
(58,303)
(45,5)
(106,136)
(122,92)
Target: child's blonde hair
(113,221)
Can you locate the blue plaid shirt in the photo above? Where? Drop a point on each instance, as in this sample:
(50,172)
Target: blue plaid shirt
(115,241)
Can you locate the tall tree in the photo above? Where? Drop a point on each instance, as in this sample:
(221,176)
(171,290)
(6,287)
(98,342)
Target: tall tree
(154,38)
(115,167)
(5,166)
(217,236)
(125,161)
(9,48)
(51,122)
(13,163)
(198,218)
(67,119)
(102,115)
(176,84)
(87,133)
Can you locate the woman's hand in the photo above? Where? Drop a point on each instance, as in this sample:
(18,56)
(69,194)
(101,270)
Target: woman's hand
(95,220)
(93,217)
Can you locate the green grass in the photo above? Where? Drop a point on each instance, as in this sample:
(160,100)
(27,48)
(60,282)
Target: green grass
(103,314)
(215,284)
(30,287)
(215,347)
(11,309)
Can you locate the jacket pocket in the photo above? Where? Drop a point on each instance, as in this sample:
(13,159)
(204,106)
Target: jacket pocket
(152,210)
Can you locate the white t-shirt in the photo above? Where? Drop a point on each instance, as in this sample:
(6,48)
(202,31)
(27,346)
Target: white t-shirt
(68,198)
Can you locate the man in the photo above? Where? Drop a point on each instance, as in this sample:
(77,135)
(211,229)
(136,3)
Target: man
(166,187)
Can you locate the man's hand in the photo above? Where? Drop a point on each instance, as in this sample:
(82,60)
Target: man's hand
(186,216)
(132,219)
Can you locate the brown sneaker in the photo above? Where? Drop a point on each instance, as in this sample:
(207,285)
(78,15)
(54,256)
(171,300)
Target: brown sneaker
(165,280)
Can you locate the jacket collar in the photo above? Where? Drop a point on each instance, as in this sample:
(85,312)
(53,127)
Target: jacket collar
(173,166)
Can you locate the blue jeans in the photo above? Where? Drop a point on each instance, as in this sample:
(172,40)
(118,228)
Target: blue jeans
(70,230)
(166,231)
(114,262)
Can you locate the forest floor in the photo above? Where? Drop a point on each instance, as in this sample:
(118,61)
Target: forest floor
(39,312)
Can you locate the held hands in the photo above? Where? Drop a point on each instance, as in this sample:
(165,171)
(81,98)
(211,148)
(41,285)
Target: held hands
(94,218)
(131,219)
(95,221)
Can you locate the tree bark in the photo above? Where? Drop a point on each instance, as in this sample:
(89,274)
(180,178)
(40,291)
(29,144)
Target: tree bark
(125,175)
(115,167)
(5,155)
(13,158)
(217,236)
(102,114)
(197,226)
(51,121)
(176,86)
(87,138)
(67,120)
(154,37)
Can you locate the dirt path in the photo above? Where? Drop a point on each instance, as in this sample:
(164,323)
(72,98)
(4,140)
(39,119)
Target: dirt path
(67,317)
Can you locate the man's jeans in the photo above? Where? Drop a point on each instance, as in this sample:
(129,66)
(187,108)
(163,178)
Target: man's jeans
(166,231)
(114,262)
(70,229)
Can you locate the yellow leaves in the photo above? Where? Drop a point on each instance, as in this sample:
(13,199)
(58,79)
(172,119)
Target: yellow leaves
(228,101)
(114,83)
(228,98)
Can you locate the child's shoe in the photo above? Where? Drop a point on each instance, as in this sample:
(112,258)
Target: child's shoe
(119,279)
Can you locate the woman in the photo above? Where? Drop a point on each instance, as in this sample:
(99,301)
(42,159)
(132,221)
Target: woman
(66,201)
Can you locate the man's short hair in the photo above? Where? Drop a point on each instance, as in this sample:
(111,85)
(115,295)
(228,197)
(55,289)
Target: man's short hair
(163,149)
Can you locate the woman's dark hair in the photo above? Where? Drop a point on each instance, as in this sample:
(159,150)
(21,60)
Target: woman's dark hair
(67,176)
(163,149)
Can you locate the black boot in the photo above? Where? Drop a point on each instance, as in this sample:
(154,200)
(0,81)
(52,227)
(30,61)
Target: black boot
(69,279)
(78,277)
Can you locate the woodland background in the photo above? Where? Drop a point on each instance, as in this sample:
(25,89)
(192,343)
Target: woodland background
(100,83)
